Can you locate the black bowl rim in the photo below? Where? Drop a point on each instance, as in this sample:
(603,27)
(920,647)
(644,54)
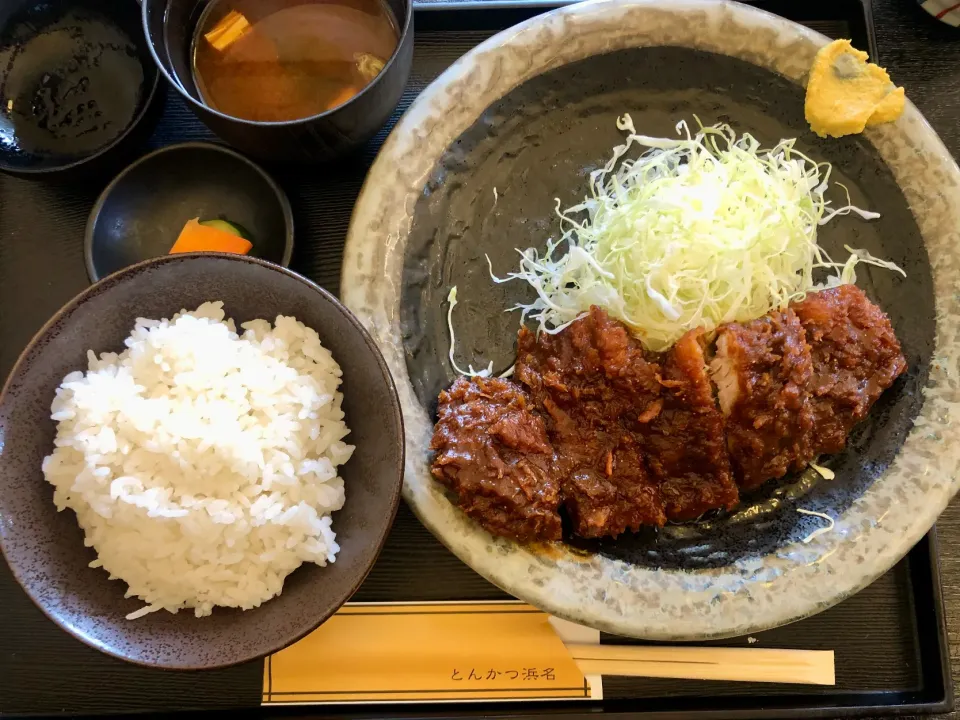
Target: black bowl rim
(171,78)
(398,470)
(145,108)
(94,216)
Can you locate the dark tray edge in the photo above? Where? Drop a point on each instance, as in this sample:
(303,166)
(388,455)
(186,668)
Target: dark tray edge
(438,5)
(936,695)
(931,575)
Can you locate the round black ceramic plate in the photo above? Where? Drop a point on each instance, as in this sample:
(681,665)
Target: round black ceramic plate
(474,168)
(540,142)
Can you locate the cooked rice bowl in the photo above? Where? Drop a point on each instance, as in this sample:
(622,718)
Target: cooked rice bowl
(202,463)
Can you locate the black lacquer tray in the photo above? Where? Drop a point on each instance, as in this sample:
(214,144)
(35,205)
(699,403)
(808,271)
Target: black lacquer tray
(890,639)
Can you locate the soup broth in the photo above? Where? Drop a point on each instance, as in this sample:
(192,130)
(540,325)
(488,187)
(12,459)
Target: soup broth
(278,60)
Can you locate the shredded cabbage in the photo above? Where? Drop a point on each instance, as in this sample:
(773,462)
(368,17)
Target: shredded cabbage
(819,531)
(824,472)
(469,372)
(697,231)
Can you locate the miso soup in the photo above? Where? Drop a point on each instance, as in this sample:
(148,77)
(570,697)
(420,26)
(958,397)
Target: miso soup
(278,60)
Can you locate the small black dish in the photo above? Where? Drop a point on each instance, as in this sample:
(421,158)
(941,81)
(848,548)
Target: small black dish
(142,211)
(77,84)
(170,25)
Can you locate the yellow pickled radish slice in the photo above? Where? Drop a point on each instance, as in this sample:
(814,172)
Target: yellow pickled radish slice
(845,93)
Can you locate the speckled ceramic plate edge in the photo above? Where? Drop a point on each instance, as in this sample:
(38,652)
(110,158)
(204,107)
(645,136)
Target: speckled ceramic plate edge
(750,595)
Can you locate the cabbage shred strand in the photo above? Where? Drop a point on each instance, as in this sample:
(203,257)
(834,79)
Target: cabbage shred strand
(697,231)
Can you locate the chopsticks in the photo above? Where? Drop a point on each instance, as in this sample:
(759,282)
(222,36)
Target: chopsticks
(807,667)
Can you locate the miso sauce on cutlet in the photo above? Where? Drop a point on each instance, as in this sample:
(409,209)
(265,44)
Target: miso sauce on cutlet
(282,60)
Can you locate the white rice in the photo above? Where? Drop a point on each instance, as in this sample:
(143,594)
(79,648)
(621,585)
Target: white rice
(202,465)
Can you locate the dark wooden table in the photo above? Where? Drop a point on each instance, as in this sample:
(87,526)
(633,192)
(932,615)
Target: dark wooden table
(923,55)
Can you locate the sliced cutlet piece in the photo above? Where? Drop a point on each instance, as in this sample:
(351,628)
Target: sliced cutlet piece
(685,444)
(607,505)
(763,370)
(596,389)
(856,356)
(492,450)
